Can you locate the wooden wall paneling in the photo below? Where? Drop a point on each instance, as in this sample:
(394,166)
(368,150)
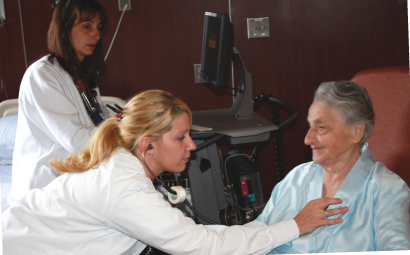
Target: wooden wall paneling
(12,64)
(156,47)
(159,41)
(36,20)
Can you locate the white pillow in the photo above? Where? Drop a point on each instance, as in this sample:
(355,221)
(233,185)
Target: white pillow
(8,126)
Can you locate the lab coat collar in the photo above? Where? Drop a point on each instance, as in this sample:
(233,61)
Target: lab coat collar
(124,159)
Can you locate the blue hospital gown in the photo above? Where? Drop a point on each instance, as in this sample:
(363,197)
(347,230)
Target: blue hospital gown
(378,201)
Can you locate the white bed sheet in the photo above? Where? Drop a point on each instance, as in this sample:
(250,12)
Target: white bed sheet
(5,185)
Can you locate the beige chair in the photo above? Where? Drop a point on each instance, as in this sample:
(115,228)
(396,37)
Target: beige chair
(389,89)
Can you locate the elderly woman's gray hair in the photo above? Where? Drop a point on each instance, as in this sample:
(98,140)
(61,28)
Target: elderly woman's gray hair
(352,101)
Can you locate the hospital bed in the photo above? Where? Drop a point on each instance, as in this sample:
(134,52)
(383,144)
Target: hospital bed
(8,124)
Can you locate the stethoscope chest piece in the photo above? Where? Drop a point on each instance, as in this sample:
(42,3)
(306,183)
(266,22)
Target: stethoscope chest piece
(179,197)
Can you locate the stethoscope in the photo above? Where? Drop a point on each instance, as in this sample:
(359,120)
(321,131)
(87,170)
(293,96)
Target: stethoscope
(176,194)
(92,105)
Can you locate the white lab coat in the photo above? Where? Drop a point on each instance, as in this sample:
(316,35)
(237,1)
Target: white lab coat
(52,122)
(115,209)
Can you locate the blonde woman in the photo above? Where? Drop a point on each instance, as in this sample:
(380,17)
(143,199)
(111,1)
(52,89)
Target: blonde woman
(105,203)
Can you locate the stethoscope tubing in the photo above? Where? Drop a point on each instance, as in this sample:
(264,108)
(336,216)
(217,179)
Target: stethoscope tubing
(173,192)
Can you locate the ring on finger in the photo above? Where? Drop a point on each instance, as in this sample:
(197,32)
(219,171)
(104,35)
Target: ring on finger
(326,211)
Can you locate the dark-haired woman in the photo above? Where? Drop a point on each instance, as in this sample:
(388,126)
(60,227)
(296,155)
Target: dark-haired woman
(59,101)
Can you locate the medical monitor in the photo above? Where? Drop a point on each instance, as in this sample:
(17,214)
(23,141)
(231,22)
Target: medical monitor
(217,49)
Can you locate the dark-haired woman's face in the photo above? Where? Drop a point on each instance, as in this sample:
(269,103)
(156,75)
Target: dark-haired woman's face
(85,36)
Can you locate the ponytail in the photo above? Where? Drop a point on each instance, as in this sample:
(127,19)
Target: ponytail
(148,114)
(104,142)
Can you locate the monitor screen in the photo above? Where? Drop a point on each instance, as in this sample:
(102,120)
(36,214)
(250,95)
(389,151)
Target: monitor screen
(217,48)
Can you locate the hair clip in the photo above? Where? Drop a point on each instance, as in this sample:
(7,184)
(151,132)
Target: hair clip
(118,110)
(118,116)
(54,5)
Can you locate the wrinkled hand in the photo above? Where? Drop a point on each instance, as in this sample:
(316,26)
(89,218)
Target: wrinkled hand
(313,215)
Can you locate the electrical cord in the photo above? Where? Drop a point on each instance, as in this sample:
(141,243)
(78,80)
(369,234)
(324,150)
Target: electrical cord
(22,34)
(179,181)
(234,89)
(229,188)
(255,153)
(277,134)
(115,34)
(293,116)
(200,215)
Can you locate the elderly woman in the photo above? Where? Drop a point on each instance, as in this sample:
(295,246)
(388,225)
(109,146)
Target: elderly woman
(341,119)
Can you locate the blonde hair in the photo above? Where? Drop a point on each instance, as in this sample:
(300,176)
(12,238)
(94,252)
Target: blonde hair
(148,114)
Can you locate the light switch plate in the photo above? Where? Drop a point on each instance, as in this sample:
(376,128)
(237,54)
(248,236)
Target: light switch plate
(258,27)
(2,13)
(122,3)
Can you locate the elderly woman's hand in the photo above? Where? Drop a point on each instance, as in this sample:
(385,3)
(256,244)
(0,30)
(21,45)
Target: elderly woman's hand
(314,214)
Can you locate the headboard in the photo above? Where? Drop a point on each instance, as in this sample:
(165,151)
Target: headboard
(9,107)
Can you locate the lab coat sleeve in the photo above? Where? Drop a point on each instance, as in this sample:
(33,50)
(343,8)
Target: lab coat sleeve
(49,104)
(391,219)
(143,214)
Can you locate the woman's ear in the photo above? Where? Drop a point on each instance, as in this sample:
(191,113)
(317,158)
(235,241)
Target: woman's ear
(145,144)
(359,132)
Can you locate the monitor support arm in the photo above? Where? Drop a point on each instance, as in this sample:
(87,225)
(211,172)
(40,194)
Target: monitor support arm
(242,108)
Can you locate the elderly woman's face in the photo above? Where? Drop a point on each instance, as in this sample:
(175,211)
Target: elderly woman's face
(332,142)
